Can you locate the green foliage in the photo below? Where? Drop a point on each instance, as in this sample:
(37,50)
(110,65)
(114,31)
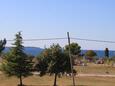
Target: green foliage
(2,45)
(107,60)
(16,62)
(54,61)
(90,53)
(43,60)
(75,49)
(106,52)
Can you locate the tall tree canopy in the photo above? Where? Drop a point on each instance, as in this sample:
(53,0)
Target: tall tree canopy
(16,62)
(54,61)
(106,52)
(75,49)
(90,53)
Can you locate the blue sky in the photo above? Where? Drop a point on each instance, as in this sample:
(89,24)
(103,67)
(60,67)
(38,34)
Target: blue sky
(90,19)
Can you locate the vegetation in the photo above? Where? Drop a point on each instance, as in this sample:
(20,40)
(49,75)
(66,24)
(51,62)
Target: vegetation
(16,62)
(90,55)
(106,52)
(2,45)
(54,61)
(107,59)
(75,49)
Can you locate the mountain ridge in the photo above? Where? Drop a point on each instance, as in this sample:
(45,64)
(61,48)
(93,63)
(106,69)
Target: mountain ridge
(28,50)
(37,50)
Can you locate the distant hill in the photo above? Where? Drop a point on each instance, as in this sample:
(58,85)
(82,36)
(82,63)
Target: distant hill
(29,50)
(36,50)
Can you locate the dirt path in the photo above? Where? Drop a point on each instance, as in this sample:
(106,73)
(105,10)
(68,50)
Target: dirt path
(95,75)
(85,75)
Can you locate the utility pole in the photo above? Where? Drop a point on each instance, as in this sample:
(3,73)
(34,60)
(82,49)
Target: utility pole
(71,63)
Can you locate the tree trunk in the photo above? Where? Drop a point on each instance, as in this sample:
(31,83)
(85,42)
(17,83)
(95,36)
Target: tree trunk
(55,79)
(20,80)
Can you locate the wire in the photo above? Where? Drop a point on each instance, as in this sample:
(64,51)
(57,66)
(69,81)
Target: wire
(94,40)
(41,39)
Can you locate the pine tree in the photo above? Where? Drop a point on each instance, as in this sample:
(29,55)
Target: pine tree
(16,62)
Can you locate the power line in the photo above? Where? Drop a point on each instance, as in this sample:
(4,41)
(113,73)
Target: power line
(94,40)
(41,39)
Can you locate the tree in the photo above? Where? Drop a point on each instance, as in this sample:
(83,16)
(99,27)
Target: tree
(106,52)
(107,55)
(90,54)
(54,61)
(2,45)
(16,62)
(42,61)
(75,49)
(107,58)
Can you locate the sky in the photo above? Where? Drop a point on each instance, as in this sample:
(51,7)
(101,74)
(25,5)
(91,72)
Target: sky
(87,19)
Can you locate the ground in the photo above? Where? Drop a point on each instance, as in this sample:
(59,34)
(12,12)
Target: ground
(95,69)
(67,81)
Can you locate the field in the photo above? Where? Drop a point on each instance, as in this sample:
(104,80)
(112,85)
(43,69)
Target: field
(67,81)
(95,69)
